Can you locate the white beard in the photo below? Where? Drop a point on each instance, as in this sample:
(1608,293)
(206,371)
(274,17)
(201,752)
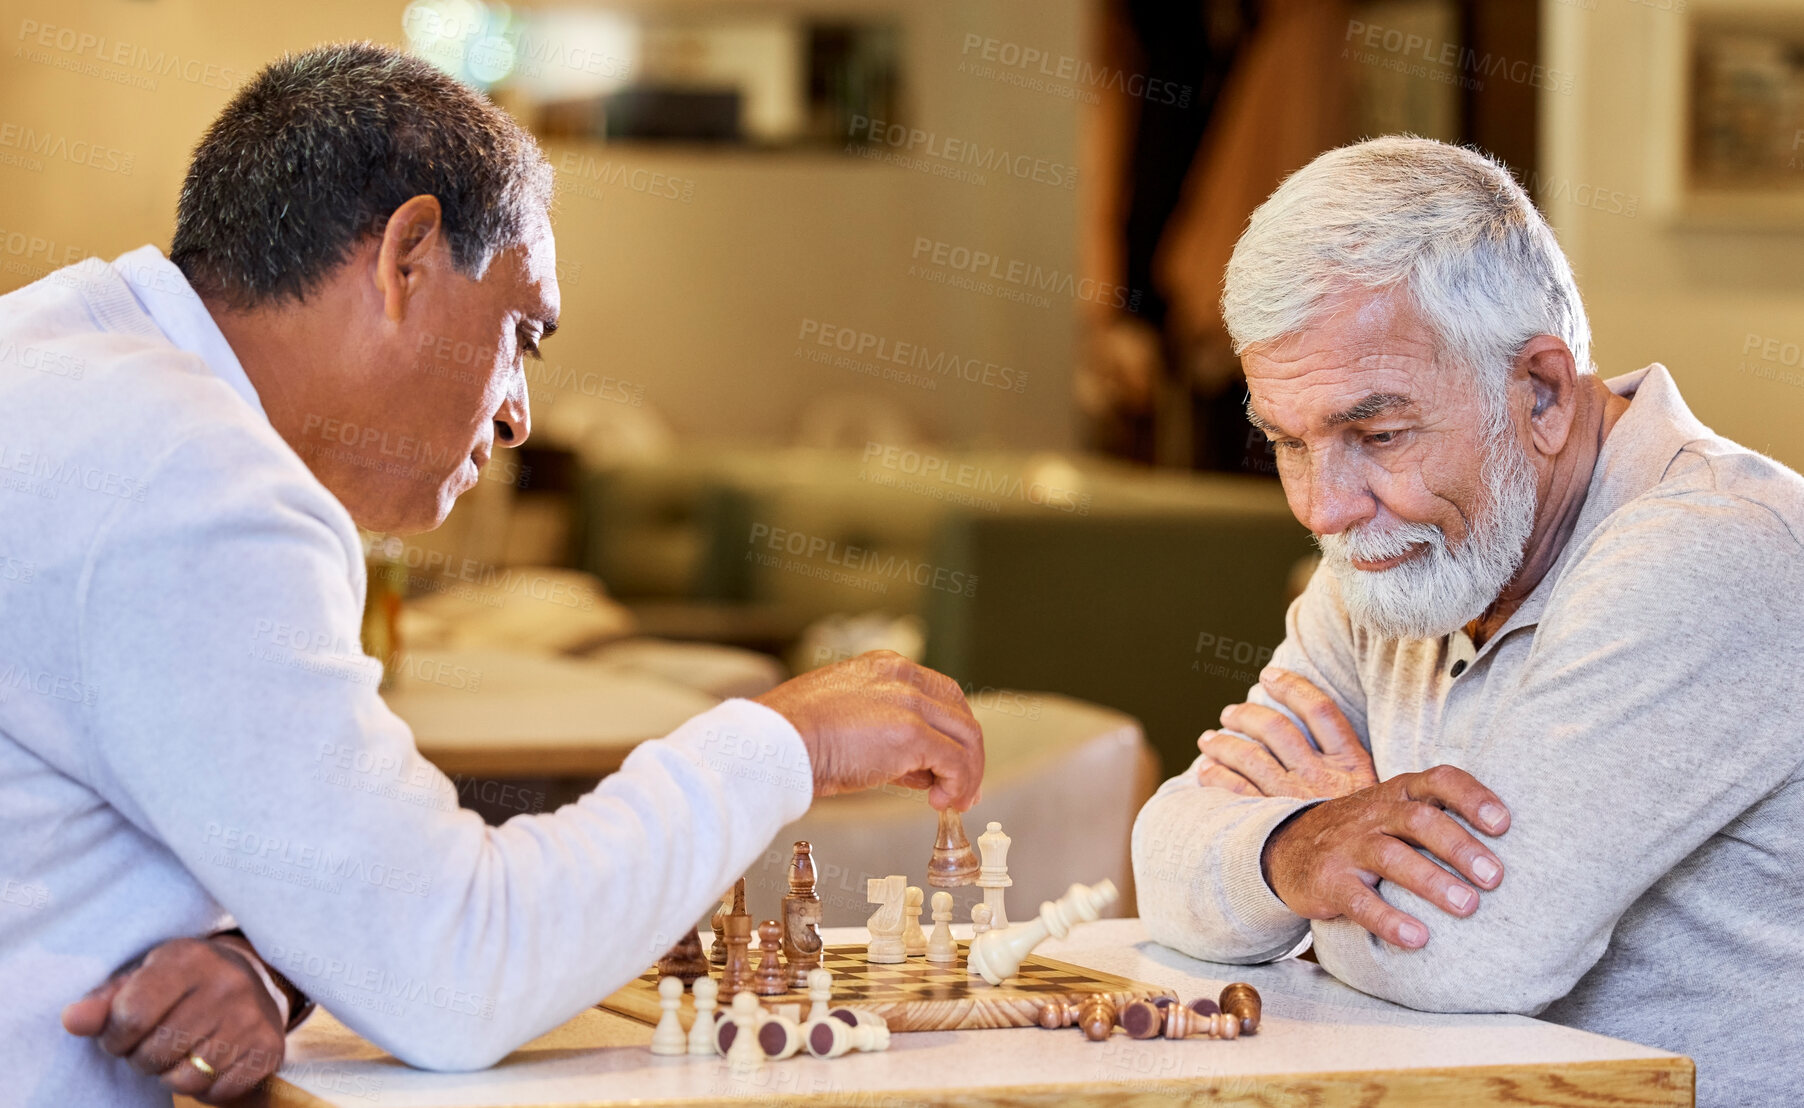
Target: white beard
(1437,592)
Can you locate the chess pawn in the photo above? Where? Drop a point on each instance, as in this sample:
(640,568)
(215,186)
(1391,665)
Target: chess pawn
(993,876)
(886,923)
(941,949)
(744,1054)
(701,1032)
(668,1037)
(801,917)
(954,863)
(1142,1019)
(771,980)
(1241,1000)
(779,1037)
(737,973)
(1184,1023)
(980,920)
(820,992)
(1096,1015)
(998,955)
(685,960)
(914,940)
(1055,1014)
(832,1038)
(717,951)
(857,1017)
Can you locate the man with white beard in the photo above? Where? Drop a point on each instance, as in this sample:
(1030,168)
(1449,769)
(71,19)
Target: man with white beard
(1542,694)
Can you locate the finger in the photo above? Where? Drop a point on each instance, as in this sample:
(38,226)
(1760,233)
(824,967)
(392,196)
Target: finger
(1326,722)
(184,1030)
(1359,903)
(248,1069)
(1221,777)
(1426,826)
(1274,730)
(142,1002)
(1455,789)
(1249,759)
(1401,864)
(87,1016)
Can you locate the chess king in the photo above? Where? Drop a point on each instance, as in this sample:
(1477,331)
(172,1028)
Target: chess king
(362,264)
(1552,646)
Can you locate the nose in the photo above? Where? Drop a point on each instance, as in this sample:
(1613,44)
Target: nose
(1329,496)
(513,422)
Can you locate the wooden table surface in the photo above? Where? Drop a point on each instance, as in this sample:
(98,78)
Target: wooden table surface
(1321,1045)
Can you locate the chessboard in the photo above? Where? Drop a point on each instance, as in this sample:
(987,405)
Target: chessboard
(918,995)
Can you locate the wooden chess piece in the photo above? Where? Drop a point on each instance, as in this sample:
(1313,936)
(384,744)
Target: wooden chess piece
(993,876)
(744,1053)
(801,917)
(1142,1019)
(997,955)
(1242,1001)
(941,948)
(886,922)
(771,980)
(914,940)
(701,1032)
(1183,1023)
(820,993)
(737,973)
(668,1037)
(832,1038)
(980,919)
(779,1037)
(954,863)
(685,960)
(857,1017)
(1096,1015)
(717,951)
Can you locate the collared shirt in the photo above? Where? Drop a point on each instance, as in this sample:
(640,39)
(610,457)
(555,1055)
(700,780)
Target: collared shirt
(190,732)
(1639,715)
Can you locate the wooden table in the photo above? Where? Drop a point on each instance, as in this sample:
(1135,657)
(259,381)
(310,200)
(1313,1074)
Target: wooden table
(1321,1044)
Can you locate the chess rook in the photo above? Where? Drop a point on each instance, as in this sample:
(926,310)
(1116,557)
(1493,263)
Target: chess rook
(1241,1001)
(801,917)
(997,955)
(993,876)
(954,863)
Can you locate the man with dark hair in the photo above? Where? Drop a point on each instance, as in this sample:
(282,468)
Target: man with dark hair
(190,734)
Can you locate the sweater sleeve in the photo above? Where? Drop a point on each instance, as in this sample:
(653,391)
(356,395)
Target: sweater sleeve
(237,722)
(1658,703)
(1197,850)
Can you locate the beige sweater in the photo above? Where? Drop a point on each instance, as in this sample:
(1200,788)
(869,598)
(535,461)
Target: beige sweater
(1639,715)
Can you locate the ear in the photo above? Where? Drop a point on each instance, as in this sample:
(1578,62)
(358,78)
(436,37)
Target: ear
(1552,376)
(412,234)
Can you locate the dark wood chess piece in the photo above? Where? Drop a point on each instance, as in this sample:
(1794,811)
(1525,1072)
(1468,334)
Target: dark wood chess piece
(1242,1000)
(736,974)
(717,952)
(954,863)
(770,979)
(801,918)
(685,960)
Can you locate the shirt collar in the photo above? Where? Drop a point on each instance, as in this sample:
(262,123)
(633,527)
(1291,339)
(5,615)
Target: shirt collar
(165,295)
(1634,458)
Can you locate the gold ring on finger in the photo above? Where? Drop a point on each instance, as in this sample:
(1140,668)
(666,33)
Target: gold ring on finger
(201,1064)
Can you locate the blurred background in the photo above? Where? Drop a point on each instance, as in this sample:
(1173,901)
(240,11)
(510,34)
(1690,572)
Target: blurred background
(893,324)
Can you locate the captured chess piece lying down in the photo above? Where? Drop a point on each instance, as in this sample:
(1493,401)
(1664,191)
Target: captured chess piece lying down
(1237,1014)
(997,954)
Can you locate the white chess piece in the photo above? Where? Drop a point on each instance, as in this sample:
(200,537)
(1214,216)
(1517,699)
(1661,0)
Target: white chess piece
(940,946)
(914,940)
(832,1038)
(886,923)
(668,1037)
(980,919)
(745,1055)
(701,1032)
(820,993)
(998,954)
(993,876)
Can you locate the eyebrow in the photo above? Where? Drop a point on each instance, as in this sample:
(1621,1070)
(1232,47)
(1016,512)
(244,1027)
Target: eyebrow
(1377,404)
(550,328)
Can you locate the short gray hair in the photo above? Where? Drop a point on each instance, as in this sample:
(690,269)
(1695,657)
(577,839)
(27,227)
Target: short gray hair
(1446,225)
(321,147)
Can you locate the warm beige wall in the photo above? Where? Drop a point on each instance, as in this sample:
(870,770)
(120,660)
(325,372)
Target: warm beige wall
(1657,288)
(700,303)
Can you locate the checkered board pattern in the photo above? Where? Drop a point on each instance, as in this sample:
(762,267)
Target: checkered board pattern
(918,995)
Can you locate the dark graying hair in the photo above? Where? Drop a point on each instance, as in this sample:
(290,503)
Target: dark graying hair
(320,148)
